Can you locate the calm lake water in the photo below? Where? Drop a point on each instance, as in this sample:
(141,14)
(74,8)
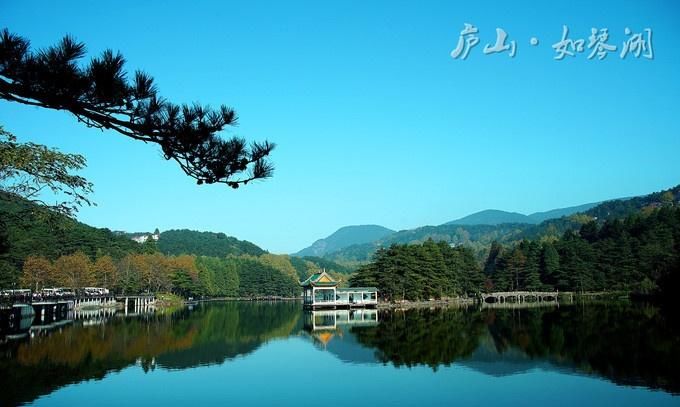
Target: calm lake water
(251,353)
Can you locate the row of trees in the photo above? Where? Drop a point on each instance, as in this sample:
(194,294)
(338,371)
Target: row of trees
(134,272)
(640,253)
(421,271)
(186,275)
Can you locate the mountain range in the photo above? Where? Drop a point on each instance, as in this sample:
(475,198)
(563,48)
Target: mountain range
(497,217)
(350,236)
(480,229)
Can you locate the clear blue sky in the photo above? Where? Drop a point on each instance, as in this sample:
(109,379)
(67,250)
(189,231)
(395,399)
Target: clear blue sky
(374,121)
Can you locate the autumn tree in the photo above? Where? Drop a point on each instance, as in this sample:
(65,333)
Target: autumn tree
(156,272)
(127,275)
(74,271)
(105,271)
(37,273)
(102,95)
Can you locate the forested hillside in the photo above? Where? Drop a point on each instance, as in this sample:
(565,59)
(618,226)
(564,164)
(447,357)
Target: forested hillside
(476,237)
(39,248)
(480,237)
(639,253)
(176,242)
(27,229)
(344,237)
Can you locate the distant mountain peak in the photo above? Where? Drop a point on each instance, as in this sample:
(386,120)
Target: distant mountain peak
(498,217)
(491,217)
(344,237)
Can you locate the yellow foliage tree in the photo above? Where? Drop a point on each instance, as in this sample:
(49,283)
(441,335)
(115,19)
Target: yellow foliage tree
(36,273)
(156,272)
(105,272)
(74,271)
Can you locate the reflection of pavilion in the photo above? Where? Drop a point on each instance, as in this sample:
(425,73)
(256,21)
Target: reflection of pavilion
(324,325)
(330,319)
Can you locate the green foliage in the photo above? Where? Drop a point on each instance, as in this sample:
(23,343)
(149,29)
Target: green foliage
(639,254)
(328,265)
(176,242)
(431,337)
(476,237)
(258,279)
(303,268)
(103,95)
(28,229)
(29,170)
(219,278)
(479,237)
(421,271)
(206,335)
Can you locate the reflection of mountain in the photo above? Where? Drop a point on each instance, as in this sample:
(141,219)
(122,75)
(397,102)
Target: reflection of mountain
(486,359)
(627,344)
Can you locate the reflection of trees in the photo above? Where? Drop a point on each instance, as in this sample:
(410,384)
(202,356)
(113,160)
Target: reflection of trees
(423,336)
(231,329)
(210,334)
(630,344)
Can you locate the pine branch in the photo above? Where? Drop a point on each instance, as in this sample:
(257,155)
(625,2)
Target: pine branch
(101,95)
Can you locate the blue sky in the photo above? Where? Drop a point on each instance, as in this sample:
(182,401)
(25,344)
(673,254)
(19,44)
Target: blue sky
(374,121)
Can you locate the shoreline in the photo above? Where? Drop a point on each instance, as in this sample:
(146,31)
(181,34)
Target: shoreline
(165,301)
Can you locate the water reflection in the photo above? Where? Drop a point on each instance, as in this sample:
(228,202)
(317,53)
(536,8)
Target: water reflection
(629,344)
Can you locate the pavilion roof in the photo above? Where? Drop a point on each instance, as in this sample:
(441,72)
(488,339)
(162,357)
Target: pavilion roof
(321,279)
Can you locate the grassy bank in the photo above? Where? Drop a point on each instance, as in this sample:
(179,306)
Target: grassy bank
(168,301)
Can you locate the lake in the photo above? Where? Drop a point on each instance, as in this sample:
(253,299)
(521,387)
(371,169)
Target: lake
(259,353)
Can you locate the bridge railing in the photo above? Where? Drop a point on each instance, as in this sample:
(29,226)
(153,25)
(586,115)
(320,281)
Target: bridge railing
(38,297)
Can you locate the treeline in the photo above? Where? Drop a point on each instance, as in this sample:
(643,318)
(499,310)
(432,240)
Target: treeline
(187,275)
(640,253)
(614,209)
(27,229)
(421,271)
(40,248)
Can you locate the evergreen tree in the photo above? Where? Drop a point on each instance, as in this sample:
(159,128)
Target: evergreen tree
(101,96)
(551,274)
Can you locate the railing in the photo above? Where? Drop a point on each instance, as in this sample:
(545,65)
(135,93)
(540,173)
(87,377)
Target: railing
(35,298)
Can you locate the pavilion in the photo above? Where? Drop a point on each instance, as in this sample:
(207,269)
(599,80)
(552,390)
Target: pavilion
(320,290)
